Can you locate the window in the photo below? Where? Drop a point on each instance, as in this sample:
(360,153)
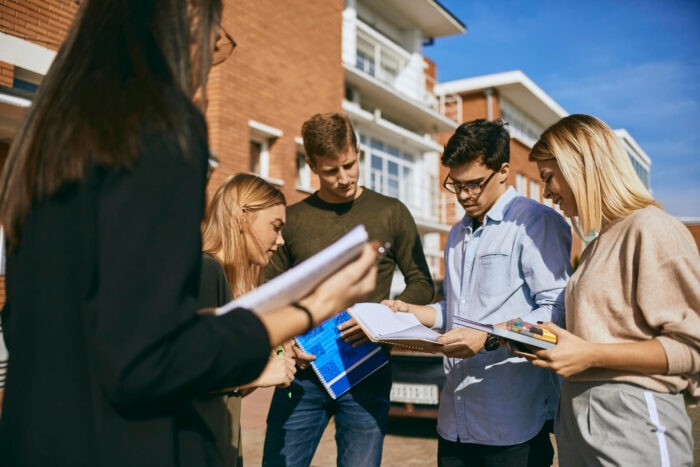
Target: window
(391,169)
(365,56)
(303,172)
(520,125)
(640,170)
(25,81)
(256,150)
(261,138)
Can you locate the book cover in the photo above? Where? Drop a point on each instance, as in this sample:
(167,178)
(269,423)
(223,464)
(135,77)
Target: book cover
(510,336)
(338,365)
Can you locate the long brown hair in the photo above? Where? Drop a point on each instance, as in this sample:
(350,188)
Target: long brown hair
(223,234)
(124,65)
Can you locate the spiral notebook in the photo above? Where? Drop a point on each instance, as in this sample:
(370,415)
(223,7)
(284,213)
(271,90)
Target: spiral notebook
(384,326)
(338,365)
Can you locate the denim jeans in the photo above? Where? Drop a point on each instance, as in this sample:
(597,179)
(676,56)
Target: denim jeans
(295,424)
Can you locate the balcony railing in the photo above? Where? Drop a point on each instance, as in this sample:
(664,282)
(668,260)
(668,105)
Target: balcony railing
(403,71)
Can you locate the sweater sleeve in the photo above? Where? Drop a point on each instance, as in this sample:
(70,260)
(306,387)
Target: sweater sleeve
(668,295)
(411,259)
(150,343)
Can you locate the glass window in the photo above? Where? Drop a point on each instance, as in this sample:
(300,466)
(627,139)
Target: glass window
(391,170)
(303,171)
(365,56)
(256,150)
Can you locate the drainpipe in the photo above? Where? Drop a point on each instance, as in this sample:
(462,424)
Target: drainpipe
(489,103)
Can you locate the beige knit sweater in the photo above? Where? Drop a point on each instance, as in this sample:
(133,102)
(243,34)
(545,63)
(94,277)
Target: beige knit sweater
(640,279)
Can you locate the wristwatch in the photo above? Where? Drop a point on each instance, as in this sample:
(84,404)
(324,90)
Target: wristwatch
(492,342)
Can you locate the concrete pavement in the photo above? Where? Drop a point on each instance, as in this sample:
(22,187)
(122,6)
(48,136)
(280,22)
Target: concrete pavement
(410,442)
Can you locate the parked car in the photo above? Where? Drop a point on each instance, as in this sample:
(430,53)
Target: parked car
(417,380)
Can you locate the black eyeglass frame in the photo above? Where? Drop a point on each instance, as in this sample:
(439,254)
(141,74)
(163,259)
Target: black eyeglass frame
(223,47)
(473,189)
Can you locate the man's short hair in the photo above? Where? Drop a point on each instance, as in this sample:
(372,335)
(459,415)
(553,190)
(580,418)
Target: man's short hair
(328,134)
(478,139)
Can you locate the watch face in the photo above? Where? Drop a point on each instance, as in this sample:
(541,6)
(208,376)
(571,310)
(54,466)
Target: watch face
(492,343)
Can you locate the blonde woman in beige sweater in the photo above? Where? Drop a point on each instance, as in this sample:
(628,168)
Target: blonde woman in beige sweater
(633,341)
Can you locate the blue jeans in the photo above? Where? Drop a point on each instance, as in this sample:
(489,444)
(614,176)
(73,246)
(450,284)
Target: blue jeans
(295,424)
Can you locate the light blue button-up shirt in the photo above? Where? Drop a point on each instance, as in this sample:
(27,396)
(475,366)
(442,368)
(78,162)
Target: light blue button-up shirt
(515,265)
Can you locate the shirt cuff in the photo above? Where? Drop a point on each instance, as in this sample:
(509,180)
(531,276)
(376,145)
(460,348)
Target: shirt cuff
(439,308)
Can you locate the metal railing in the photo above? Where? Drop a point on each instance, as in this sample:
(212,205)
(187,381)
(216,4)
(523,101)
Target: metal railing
(381,58)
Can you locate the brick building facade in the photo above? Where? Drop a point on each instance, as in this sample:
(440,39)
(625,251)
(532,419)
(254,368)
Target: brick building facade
(285,68)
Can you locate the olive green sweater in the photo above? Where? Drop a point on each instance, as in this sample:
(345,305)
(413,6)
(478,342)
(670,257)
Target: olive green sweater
(312,224)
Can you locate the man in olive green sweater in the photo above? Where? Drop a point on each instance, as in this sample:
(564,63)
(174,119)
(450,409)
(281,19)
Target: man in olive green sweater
(295,425)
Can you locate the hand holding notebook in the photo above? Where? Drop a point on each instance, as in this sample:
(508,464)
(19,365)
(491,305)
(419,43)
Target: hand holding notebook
(384,326)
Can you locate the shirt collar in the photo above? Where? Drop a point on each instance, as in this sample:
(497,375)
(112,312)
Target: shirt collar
(498,209)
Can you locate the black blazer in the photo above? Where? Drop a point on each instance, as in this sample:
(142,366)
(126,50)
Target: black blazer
(106,349)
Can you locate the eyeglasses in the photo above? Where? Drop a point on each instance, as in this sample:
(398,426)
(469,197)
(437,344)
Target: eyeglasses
(223,47)
(473,189)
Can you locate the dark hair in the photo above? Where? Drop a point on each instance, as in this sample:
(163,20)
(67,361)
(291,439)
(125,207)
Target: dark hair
(327,135)
(478,139)
(124,64)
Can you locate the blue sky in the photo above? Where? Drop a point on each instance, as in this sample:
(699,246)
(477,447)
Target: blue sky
(634,64)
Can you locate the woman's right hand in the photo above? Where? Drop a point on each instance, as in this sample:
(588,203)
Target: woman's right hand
(425,314)
(396,305)
(346,287)
(279,372)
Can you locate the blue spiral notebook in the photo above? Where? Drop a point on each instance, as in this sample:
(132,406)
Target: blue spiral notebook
(338,365)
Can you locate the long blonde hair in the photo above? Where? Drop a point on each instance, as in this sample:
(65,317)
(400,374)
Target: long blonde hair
(225,226)
(596,167)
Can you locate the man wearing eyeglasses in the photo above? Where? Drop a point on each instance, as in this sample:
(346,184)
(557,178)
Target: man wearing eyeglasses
(507,258)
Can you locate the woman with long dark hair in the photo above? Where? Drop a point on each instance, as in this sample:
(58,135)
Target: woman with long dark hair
(101,201)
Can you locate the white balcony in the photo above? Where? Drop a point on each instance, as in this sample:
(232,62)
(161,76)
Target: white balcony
(391,78)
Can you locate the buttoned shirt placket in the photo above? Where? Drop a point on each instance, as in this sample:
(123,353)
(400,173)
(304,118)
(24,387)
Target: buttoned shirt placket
(468,251)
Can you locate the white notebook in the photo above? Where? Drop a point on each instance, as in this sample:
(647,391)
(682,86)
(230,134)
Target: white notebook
(299,281)
(384,326)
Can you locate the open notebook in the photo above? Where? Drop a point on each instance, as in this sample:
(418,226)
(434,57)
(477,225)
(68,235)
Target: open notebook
(384,326)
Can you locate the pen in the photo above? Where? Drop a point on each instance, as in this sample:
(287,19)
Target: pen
(280,351)
(381,249)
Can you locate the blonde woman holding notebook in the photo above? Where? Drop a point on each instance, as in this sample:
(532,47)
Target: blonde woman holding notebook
(632,343)
(241,231)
